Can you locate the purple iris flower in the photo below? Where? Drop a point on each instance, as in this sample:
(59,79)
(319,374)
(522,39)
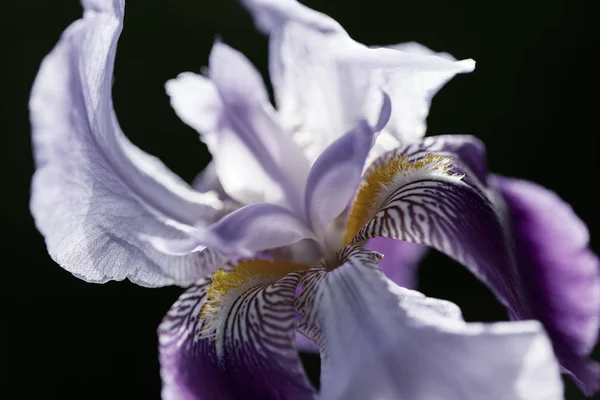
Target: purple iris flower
(294,213)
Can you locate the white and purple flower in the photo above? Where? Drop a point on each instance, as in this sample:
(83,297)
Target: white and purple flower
(310,196)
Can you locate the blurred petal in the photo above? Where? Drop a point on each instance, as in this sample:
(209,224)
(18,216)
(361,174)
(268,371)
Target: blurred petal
(400,260)
(560,273)
(305,345)
(271,14)
(335,175)
(196,101)
(324,83)
(248,230)
(255,356)
(391,343)
(94,192)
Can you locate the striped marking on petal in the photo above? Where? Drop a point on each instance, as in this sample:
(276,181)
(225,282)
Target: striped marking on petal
(382,180)
(243,281)
(307,302)
(254,357)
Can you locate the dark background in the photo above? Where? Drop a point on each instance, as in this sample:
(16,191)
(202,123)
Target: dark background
(532,99)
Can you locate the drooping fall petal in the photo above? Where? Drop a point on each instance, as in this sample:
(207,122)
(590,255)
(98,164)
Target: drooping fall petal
(559,272)
(251,353)
(385,342)
(519,239)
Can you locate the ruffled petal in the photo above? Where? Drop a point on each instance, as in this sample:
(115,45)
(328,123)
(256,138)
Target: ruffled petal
(386,342)
(560,273)
(400,260)
(517,240)
(325,82)
(335,175)
(94,193)
(254,356)
(254,159)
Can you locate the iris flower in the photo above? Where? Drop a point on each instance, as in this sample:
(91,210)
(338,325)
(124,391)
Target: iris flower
(286,229)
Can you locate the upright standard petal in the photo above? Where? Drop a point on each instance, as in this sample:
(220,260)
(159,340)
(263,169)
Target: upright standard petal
(250,134)
(247,351)
(323,81)
(390,343)
(271,14)
(335,175)
(94,192)
(505,239)
(561,274)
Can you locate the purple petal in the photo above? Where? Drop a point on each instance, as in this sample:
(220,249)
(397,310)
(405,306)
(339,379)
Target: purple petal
(383,341)
(324,82)
(559,274)
(94,193)
(271,14)
(523,242)
(306,345)
(400,259)
(253,360)
(467,153)
(452,217)
(335,175)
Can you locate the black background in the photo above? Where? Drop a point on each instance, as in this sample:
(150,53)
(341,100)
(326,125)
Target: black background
(532,99)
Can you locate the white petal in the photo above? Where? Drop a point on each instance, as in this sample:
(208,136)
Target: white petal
(94,193)
(383,343)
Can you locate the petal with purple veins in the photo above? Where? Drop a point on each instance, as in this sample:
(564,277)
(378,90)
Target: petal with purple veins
(254,355)
(386,342)
(519,239)
(94,193)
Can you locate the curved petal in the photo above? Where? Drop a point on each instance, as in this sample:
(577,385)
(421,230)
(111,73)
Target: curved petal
(466,151)
(244,232)
(324,82)
(411,90)
(561,274)
(251,134)
(335,175)
(270,14)
(397,344)
(254,159)
(255,356)
(400,260)
(196,101)
(508,243)
(94,192)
